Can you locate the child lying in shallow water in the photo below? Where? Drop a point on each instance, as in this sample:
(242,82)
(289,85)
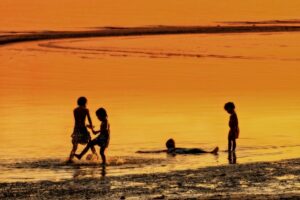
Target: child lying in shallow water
(171,149)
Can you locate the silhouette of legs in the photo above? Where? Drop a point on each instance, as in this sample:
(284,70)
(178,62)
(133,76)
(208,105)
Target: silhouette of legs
(231,143)
(102,149)
(91,145)
(232,157)
(215,151)
(74,148)
(94,152)
(103,171)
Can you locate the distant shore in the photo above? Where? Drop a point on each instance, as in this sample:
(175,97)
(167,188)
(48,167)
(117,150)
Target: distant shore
(262,180)
(147,30)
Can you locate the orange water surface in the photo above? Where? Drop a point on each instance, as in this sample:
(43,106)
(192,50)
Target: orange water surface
(153,87)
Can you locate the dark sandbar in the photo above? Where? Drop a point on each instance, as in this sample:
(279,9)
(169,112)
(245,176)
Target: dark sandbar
(140,31)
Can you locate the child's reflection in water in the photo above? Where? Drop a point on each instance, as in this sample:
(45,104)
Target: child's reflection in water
(232,157)
(89,172)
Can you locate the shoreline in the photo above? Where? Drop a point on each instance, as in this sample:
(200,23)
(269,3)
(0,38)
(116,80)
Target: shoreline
(142,31)
(260,180)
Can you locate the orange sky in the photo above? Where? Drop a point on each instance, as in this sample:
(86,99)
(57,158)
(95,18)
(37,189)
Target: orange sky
(60,14)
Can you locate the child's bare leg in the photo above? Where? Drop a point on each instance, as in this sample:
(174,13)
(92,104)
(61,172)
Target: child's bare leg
(232,157)
(233,145)
(215,151)
(229,144)
(87,147)
(74,148)
(94,151)
(102,149)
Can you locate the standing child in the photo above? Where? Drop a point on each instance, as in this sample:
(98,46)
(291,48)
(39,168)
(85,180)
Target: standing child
(233,125)
(102,140)
(80,134)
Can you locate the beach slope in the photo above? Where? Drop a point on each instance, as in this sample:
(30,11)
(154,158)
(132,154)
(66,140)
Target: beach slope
(263,180)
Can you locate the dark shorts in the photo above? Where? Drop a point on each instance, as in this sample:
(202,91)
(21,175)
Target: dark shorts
(231,136)
(80,135)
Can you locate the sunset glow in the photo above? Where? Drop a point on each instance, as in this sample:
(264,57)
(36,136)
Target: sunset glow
(153,86)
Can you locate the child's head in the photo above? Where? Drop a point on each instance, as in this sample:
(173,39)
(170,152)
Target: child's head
(229,107)
(170,144)
(101,114)
(81,101)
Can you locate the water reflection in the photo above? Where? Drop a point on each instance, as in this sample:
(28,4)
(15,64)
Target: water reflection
(103,171)
(93,172)
(232,157)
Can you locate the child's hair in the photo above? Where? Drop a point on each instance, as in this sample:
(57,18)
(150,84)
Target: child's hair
(170,143)
(81,101)
(101,112)
(229,106)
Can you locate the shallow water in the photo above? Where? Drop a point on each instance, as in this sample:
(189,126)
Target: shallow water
(153,87)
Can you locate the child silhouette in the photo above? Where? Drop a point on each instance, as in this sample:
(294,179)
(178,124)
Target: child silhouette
(233,125)
(80,133)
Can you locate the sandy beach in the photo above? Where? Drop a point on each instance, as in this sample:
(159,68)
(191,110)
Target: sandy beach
(262,180)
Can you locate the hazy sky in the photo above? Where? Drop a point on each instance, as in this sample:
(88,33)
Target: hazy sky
(60,14)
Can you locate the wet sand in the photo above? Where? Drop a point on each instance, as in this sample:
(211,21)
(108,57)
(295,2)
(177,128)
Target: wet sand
(263,180)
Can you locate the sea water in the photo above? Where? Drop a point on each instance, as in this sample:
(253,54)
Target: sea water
(153,88)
